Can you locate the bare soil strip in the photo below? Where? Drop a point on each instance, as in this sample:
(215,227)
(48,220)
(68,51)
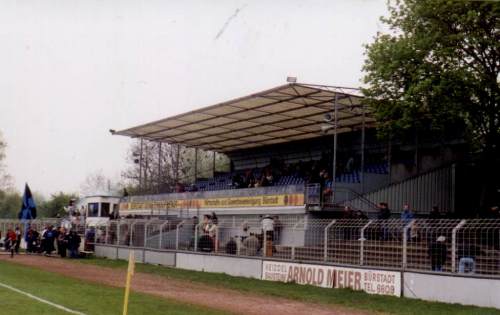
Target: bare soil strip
(184,291)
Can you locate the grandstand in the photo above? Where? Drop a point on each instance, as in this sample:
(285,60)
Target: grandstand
(315,141)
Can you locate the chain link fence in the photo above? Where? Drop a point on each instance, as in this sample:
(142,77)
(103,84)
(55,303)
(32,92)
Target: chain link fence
(469,247)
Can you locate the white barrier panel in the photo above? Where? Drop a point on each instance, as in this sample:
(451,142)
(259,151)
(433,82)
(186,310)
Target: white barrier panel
(159,258)
(452,289)
(370,281)
(234,266)
(124,252)
(106,251)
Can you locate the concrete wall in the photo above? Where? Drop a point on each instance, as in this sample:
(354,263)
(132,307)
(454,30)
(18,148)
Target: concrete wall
(426,286)
(242,267)
(124,252)
(452,289)
(160,258)
(106,251)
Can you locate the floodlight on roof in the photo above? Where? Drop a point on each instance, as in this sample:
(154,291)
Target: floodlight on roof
(328,117)
(291,79)
(326,128)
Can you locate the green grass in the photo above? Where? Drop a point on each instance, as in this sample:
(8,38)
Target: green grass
(82,296)
(348,298)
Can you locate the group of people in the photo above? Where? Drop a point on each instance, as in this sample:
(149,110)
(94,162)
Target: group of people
(48,241)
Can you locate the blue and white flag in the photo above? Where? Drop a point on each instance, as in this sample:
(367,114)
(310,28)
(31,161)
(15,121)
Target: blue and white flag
(28,209)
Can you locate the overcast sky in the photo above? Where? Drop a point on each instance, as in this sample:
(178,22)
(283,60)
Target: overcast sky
(71,70)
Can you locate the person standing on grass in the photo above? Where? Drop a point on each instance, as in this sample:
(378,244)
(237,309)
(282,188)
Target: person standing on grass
(74,241)
(62,242)
(18,239)
(10,242)
(438,252)
(48,240)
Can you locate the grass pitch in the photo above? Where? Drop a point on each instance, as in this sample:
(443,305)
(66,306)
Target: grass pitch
(352,299)
(85,297)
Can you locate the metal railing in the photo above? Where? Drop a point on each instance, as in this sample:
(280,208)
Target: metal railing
(468,247)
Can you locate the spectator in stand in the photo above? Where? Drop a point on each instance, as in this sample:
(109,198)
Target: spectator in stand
(406,217)
(205,225)
(74,241)
(384,211)
(18,239)
(493,213)
(406,214)
(348,213)
(251,246)
(48,238)
(278,227)
(467,253)
(237,181)
(384,214)
(435,214)
(268,234)
(438,252)
(179,187)
(249,181)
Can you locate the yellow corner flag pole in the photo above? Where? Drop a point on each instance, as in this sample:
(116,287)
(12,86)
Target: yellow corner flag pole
(130,273)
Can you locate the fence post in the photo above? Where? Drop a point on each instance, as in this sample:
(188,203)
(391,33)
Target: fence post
(106,238)
(454,245)
(405,243)
(146,233)
(177,234)
(362,240)
(293,233)
(118,223)
(325,253)
(160,243)
(196,228)
(131,230)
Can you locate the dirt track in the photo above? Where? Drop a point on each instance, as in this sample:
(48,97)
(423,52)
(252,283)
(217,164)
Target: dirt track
(185,291)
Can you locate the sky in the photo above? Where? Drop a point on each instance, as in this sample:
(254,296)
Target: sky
(72,70)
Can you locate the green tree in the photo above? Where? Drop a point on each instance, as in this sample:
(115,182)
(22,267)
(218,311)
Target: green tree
(10,204)
(55,205)
(438,67)
(5,179)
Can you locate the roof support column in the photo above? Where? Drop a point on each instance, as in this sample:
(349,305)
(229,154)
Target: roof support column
(363,150)
(177,164)
(195,164)
(140,165)
(159,167)
(334,170)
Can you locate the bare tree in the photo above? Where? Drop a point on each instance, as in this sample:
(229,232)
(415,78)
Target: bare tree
(5,178)
(98,183)
(157,167)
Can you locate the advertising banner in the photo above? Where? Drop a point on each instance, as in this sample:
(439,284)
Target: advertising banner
(368,280)
(214,203)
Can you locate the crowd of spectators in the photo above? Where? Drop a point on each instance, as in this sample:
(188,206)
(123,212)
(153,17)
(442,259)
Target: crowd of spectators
(60,240)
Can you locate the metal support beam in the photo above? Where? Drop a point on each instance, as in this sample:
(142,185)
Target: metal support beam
(160,243)
(195,164)
(325,250)
(177,163)
(362,240)
(363,151)
(177,233)
(159,167)
(334,171)
(140,165)
(405,243)
(454,245)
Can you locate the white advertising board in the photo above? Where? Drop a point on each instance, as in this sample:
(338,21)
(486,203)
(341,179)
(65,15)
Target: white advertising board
(370,281)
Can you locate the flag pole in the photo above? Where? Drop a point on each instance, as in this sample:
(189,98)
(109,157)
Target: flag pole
(130,273)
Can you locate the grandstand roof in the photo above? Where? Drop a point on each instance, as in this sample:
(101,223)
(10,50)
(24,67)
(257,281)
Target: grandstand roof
(285,113)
